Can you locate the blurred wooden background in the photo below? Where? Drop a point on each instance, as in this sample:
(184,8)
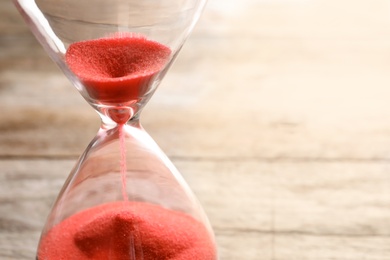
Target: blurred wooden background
(276,112)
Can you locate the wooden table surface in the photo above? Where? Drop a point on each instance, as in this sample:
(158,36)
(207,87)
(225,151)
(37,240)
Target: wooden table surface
(277,113)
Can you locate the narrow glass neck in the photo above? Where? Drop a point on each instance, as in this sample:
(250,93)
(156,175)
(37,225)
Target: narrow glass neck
(107,123)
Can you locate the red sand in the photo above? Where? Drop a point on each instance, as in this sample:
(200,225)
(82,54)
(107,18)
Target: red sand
(127,231)
(123,164)
(117,69)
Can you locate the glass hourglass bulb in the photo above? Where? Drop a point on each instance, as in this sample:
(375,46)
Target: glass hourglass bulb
(123,199)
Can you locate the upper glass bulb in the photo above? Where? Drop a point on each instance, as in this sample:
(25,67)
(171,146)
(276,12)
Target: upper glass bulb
(114,52)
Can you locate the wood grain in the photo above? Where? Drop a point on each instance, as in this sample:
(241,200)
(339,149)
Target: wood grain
(276,113)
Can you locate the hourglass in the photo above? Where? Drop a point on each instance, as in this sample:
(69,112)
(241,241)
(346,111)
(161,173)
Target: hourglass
(123,199)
